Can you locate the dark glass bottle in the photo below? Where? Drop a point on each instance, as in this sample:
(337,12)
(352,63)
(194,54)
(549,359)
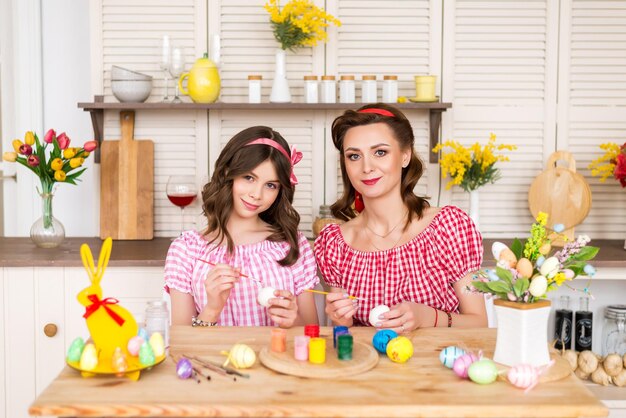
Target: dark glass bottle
(584,326)
(563,326)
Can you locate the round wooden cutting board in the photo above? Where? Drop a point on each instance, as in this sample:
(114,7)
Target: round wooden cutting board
(364,357)
(560,192)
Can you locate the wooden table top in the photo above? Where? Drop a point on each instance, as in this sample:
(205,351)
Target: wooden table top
(420,388)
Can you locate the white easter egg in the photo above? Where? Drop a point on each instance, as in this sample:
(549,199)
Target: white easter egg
(265,295)
(496,249)
(376,312)
(538,286)
(550,267)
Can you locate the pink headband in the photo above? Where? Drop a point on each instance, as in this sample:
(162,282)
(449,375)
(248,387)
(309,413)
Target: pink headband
(294,159)
(378,111)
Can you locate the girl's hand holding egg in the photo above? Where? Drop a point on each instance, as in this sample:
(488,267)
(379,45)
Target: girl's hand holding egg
(340,308)
(283,309)
(218,284)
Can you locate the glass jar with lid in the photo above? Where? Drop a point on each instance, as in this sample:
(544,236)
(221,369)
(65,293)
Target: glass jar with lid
(254,88)
(613,331)
(390,89)
(346,89)
(329,89)
(310,89)
(368,89)
(158,319)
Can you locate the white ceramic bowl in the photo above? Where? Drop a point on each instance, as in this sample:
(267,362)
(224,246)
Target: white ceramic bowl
(121,73)
(136,91)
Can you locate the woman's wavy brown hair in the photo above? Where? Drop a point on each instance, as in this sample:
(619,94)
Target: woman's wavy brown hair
(403,133)
(238,159)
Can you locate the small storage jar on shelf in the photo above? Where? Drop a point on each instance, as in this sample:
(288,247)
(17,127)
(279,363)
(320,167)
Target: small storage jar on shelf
(310,89)
(368,89)
(347,89)
(329,89)
(390,89)
(254,88)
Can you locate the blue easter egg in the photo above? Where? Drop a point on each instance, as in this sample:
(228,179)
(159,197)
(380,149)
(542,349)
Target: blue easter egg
(589,269)
(143,334)
(448,355)
(558,227)
(540,261)
(492,276)
(382,338)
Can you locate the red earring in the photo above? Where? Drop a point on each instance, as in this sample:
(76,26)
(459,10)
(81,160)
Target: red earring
(358,202)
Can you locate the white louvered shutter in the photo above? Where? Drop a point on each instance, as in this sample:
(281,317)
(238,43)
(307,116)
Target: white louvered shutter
(500,75)
(592,102)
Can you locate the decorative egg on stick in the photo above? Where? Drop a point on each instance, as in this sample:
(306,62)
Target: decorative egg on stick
(462,364)
(374,316)
(265,295)
(241,356)
(526,376)
(448,355)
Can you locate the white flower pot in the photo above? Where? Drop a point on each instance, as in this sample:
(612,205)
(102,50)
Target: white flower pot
(522,335)
(474,208)
(280,85)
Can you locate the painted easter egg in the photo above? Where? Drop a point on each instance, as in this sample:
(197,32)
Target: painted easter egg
(507,257)
(550,267)
(545,248)
(184,368)
(157,344)
(143,334)
(483,372)
(400,349)
(523,376)
(462,364)
(89,357)
(146,355)
(382,338)
(539,261)
(538,286)
(449,354)
(589,269)
(242,356)
(496,249)
(134,344)
(76,349)
(118,361)
(569,274)
(558,228)
(375,314)
(491,275)
(524,267)
(265,295)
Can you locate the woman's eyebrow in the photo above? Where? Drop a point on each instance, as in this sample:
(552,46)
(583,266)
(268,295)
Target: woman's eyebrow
(382,144)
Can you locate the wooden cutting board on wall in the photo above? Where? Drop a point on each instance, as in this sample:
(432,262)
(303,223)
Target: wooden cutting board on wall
(127,185)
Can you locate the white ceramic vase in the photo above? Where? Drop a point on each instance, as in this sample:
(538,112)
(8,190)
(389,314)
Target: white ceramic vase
(522,335)
(280,85)
(474,207)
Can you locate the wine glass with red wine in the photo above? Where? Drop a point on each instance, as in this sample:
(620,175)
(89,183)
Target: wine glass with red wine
(181,191)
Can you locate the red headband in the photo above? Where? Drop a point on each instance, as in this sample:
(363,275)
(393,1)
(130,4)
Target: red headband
(294,159)
(378,111)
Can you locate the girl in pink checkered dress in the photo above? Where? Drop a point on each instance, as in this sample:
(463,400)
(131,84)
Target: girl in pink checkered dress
(398,251)
(251,242)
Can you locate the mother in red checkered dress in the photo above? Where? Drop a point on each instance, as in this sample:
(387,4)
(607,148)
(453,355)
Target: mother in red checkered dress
(398,250)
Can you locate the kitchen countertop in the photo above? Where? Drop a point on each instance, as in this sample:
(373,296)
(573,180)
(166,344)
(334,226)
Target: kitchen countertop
(22,252)
(421,387)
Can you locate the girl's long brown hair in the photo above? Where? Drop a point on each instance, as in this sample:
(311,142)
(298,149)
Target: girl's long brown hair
(237,159)
(401,128)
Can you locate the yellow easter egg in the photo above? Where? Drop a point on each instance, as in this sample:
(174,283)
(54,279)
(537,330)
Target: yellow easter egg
(400,349)
(89,358)
(524,267)
(508,257)
(242,356)
(545,249)
(157,344)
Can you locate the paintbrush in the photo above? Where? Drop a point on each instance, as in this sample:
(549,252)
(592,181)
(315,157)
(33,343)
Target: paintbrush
(321,292)
(241,274)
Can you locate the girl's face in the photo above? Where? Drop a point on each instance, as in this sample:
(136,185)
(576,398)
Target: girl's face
(256,191)
(373,159)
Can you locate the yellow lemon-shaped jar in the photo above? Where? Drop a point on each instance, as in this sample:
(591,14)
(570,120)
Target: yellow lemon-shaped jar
(400,349)
(203,81)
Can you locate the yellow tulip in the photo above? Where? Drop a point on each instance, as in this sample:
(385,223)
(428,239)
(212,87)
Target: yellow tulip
(86,154)
(56,164)
(29,138)
(9,156)
(76,162)
(17,144)
(69,153)
(59,175)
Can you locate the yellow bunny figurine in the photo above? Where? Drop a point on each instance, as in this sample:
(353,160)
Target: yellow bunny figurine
(109,324)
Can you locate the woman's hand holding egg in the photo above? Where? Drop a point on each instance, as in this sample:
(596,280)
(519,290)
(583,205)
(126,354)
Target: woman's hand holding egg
(340,308)
(404,317)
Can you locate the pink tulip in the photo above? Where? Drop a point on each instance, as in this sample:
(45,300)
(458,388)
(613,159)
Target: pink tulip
(90,146)
(26,149)
(50,135)
(63,140)
(33,160)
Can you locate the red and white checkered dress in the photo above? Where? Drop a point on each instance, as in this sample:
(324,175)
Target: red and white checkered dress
(186,274)
(422,270)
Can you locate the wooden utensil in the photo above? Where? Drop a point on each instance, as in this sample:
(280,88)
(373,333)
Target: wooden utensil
(560,192)
(127,185)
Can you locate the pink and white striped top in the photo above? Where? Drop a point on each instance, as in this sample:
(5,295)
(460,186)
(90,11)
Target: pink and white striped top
(186,274)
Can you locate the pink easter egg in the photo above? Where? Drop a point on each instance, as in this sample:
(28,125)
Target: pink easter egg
(523,376)
(134,344)
(461,365)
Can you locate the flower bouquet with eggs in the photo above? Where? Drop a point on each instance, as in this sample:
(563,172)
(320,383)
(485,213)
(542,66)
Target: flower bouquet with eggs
(524,274)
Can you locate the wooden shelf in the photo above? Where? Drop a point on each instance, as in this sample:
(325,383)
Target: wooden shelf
(98,106)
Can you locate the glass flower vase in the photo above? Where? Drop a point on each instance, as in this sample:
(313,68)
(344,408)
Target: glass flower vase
(47,231)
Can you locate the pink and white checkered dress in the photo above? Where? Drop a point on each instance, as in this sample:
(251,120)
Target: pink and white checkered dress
(422,270)
(186,274)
